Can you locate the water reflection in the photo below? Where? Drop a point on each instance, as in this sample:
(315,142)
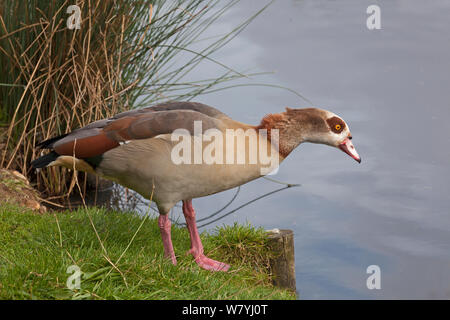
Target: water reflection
(111,196)
(391,87)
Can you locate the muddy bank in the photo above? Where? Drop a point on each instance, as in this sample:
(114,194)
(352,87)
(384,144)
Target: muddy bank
(15,188)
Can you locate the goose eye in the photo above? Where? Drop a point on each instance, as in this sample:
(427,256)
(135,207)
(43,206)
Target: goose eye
(337,127)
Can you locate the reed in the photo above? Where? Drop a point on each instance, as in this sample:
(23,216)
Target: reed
(125,55)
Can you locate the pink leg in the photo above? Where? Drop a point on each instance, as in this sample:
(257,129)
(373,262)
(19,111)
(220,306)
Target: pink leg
(164,226)
(196,244)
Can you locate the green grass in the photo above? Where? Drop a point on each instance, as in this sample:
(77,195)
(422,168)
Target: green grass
(36,250)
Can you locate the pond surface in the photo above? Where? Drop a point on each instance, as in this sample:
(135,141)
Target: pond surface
(392,86)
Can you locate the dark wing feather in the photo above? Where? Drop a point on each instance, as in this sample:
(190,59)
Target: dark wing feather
(48,144)
(103,135)
(176,105)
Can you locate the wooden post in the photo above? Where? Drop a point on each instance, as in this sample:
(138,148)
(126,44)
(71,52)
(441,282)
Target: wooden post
(281,243)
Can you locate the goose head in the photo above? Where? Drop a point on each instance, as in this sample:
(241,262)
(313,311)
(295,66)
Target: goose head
(316,125)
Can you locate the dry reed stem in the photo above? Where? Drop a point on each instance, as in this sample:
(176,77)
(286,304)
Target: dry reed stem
(64,89)
(62,79)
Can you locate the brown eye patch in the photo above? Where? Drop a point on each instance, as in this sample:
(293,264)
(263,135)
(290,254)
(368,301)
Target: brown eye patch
(336,124)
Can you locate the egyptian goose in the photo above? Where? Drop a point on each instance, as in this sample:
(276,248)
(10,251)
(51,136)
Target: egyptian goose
(137,149)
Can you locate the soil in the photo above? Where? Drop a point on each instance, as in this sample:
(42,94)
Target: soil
(15,188)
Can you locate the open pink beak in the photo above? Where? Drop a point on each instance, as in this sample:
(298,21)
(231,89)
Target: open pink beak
(348,148)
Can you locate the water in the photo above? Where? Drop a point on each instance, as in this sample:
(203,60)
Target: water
(392,88)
